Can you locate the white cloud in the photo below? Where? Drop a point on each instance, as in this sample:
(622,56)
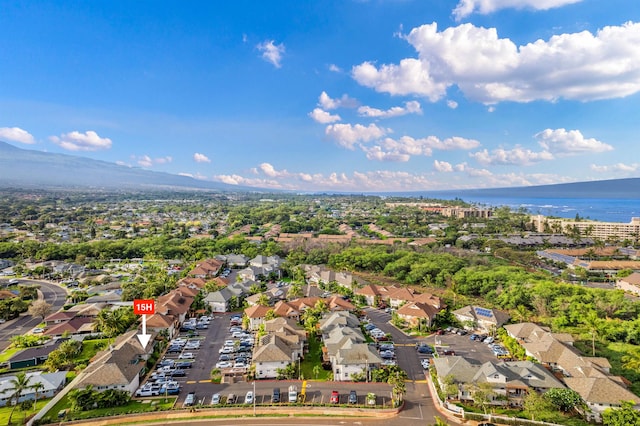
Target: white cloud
(334,68)
(200,158)
(403,148)
(327,103)
(321,116)
(485,7)
(76,141)
(443,166)
(580,66)
(564,143)
(452,104)
(512,157)
(410,107)
(16,134)
(347,135)
(616,168)
(407,78)
(271,52)
(267,176)
(376,153)
(147,161)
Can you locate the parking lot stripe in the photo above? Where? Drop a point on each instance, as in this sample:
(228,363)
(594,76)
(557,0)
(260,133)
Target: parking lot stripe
(190,382)
(204,381)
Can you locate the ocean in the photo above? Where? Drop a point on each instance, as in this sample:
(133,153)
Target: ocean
(603,210)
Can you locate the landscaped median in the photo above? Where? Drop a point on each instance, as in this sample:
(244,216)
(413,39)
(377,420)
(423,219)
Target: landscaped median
(204,413)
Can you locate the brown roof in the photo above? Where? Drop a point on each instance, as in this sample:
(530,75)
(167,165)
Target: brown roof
(417,310)
(633,279)
(73,326)
(257,311)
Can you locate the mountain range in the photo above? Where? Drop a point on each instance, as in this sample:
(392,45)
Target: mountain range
(22,168)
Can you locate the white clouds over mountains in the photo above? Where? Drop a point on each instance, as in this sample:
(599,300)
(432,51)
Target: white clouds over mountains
(16,134)
(484,7)
(488,69)
(77,141)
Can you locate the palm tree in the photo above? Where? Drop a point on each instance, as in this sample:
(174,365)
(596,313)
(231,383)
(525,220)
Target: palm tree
(19,384)
(399,387)
(36,387)
(592,322)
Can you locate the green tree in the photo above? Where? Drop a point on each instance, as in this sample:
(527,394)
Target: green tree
(564,399)
(536,406)
(17,386)
(399,388)
(482,395)
(37,387)
(623,416)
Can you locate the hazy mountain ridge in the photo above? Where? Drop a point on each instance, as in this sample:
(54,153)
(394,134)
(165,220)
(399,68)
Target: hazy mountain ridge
(29,168)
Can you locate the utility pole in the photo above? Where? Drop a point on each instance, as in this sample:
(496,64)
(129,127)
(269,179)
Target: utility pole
(254,397)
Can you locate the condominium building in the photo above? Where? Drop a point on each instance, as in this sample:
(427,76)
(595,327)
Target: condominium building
(603,230)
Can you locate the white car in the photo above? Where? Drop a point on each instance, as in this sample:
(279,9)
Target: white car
(239,365)
(226,350)
(186,355)
(38,330)
(425,364)
(248,398)
(224,364)
(215,399)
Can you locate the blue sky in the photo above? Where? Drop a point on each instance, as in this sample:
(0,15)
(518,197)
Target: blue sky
(348,95)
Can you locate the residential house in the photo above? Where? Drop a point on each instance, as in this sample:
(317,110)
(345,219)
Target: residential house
(31,357)
(418,314)
(287,310)
(221,300)
(206,269)
(484,319)
(601,393)
(629,283)
(177,303)
(76,325)
(354,358)
(159,322)
(118,367)
(256,315)
(52,383)
(589,376)
(511,381)
(272,354)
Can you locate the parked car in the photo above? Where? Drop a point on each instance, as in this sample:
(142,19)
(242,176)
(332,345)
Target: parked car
(184,364)
(248,398)
(275,396)
(190,400)
(178,373)
(186,355)
(425,349)
(231,398)
(335,397)
(448,352)
(224,364)
(353,397)
(215,399)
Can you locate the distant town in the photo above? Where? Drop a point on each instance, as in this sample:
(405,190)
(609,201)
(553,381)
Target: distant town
(501,316)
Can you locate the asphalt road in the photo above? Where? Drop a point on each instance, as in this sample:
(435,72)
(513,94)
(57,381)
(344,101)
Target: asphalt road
(52,293)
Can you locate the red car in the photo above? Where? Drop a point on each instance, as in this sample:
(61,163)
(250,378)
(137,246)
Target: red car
(335,396)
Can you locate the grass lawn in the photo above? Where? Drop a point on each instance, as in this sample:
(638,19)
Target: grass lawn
(313,358)
(19,416)
(130,408)
(89,349)
(8,353)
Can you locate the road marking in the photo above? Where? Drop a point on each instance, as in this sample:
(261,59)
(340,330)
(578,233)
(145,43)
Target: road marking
(190,382)
(209,381)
